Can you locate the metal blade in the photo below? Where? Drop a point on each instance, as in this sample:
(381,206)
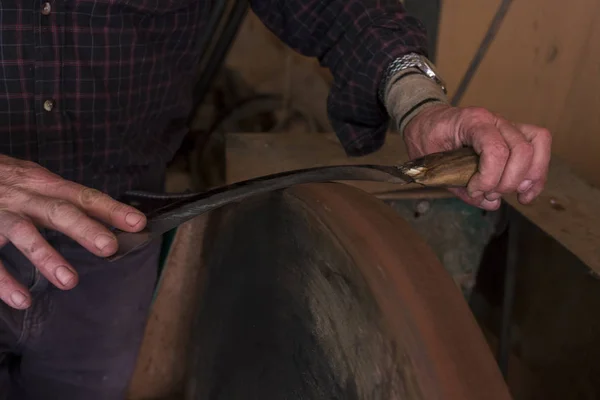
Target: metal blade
(171,216)
(446,169)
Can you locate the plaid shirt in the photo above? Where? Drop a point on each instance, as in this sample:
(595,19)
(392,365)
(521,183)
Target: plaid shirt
(98,90)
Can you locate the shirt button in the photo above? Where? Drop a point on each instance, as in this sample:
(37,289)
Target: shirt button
(48,105)
(46,9)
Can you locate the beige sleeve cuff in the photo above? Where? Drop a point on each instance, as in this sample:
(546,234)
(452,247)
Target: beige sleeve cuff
(408,93)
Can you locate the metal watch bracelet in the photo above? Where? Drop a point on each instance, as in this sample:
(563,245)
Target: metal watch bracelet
(411,60)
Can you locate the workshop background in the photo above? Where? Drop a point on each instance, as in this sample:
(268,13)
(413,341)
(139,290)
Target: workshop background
(542,67)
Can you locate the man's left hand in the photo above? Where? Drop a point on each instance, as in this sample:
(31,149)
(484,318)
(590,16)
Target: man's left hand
(513,157)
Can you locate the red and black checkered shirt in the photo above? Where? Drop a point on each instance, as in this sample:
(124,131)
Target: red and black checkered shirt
(98,91)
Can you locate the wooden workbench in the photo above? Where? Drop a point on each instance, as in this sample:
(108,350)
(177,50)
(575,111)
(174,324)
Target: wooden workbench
(567,210)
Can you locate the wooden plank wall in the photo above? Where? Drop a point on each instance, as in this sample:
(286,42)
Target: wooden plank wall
(543,68)
(268,66)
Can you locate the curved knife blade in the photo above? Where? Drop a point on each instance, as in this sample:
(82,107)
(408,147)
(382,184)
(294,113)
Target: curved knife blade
(440,169)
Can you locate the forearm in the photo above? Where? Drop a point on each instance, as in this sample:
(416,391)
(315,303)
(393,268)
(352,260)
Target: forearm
(357,40)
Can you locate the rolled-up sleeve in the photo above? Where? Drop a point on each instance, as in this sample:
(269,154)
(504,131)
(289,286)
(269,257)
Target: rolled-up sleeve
(356,40)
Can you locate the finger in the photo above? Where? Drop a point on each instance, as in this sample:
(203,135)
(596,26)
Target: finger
(491,196)
(531,194)
(64,217)
(488,142)
(535,179)
(463,194)
(12,292)
(519,160)
(26,238)
(98,205)
(478,201)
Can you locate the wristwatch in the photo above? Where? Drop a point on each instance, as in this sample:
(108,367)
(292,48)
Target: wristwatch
(411,60)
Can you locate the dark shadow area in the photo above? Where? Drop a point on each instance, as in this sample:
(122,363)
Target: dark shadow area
(285,312)
(555,329)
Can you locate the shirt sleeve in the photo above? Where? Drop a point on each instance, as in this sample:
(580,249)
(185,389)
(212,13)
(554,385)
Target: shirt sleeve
(356,40)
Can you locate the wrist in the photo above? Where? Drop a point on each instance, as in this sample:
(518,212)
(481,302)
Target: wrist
(408,93)
(424,123)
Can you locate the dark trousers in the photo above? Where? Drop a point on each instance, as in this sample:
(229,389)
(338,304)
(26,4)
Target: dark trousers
(78,344)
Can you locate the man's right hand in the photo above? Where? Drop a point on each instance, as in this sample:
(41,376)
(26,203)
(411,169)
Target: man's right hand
(31,197)
(514,158)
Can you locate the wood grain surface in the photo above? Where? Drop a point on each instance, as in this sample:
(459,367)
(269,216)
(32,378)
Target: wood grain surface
(542,68)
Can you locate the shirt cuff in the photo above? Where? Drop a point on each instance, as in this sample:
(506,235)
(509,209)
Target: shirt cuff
(409,92)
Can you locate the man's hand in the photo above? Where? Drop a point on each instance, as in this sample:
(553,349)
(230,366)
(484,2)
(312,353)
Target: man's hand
(32,196)
(513,157)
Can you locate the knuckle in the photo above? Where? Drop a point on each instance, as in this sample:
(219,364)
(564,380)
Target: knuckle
(524,150)
(60,211)
(484,183)
(88,197)
(506,188)
(20,228)
(91,231)
(546,136)
(40,255)
(498,153)
(5,282)
(545,133)
(488,184)
(479,114)
(118,208)
(34,250)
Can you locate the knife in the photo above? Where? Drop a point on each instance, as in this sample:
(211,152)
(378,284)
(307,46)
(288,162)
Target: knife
(446,169)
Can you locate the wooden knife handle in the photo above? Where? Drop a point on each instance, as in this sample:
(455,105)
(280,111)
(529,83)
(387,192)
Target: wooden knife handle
(447,169)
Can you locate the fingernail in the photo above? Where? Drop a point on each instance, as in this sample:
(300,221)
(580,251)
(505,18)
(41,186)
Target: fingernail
(525,186)
(490,205)
(18,298)
(133,219)
(64,275)
(102,241)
